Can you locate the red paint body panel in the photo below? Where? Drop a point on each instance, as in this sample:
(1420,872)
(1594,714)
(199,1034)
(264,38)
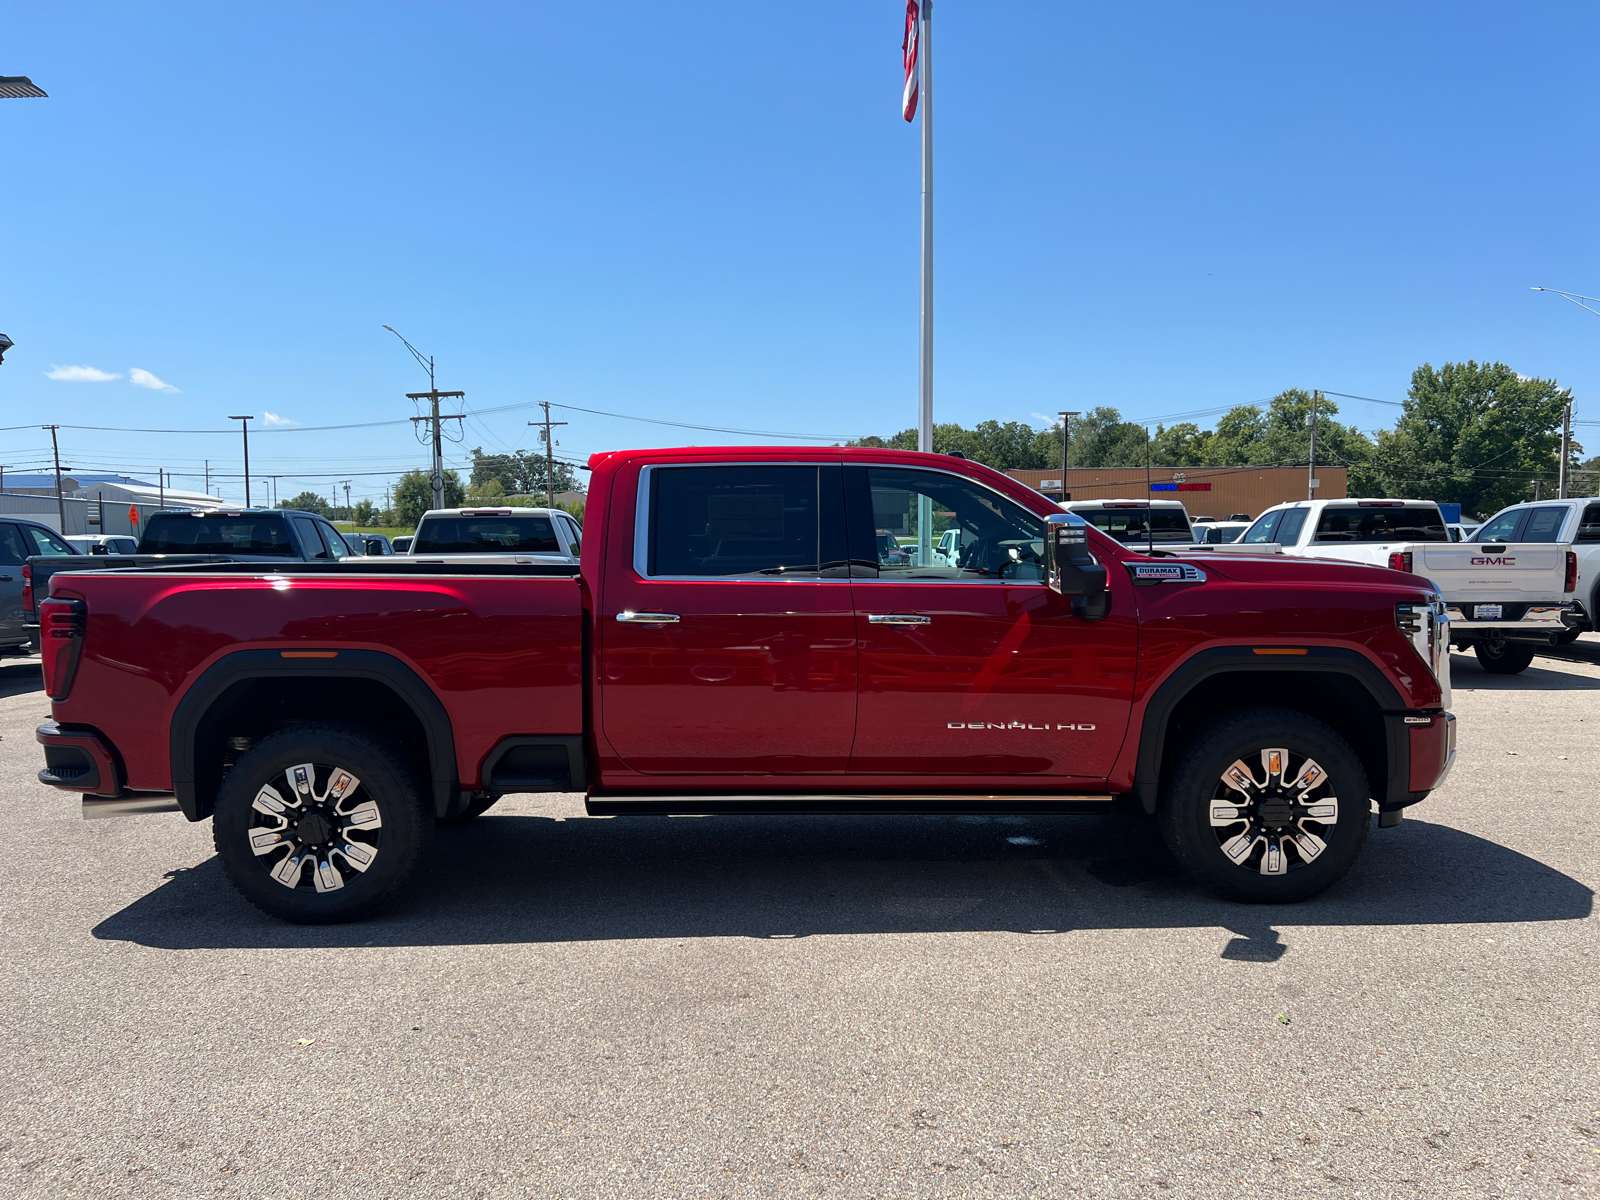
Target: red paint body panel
(764,686)
(1431,747)
(503,654)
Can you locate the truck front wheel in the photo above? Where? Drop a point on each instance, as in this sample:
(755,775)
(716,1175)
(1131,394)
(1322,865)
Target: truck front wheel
(1266,805)
(1502,656)
(320,823)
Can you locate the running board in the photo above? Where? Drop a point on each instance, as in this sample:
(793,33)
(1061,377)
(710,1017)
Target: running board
(129,804)
(660,805)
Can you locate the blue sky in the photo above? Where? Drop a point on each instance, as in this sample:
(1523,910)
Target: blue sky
(708,213)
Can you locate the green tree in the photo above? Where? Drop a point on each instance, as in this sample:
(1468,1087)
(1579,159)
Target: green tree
(364,512)
(413,496)
(1476,434)
(519,474)
(307,502)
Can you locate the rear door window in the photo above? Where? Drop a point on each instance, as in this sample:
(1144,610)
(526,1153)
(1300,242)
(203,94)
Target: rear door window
(1294,520)
(574,534)
(334,541)
(265,536)
(728,522)
(1402,523)
(1544,524)
(315,546)
(1503,528)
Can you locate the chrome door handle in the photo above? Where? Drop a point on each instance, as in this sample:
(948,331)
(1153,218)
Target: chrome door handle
(629,617)
(898,619)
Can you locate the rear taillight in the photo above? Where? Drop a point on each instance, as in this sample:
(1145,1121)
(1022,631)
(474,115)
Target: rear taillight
(27,587)
(1400,560)
(61,626)
(1571,582)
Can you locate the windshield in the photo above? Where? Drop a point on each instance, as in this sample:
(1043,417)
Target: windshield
(266,536)
(1405,523)
(1130,524)
(486,535)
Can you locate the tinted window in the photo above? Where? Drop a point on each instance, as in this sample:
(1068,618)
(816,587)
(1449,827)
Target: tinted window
(1264,528)
(1589,528)
(574,534)
(334,541)
(1294,520)
(1406,523)
(1139,524)
(315,547)
(217,535)
(12,551)
(486,535)
(721,521)
(44,541)
(1502,528)
(1544,525)
(999,541)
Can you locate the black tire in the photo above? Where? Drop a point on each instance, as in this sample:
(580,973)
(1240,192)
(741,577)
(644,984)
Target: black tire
(1267,816)
(479,805)
(386,822)
(1502,656)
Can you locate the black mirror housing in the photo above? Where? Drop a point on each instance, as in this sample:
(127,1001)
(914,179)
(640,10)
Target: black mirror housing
(1069,567)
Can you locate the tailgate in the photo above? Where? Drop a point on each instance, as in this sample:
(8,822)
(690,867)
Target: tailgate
(1465,570)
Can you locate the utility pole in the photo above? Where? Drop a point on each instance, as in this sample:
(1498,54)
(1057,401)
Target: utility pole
(1566,444)
(549,455)
(61,505)
(161,488)
(208,477)
(433,395)
(348,514)
(244,424)
(1311,470)
(1066,437)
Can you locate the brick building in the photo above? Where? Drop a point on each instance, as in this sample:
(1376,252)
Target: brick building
(1205,491)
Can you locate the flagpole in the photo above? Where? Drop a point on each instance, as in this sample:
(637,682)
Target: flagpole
(925,357)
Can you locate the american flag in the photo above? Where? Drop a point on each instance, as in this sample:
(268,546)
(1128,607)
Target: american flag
(909,48)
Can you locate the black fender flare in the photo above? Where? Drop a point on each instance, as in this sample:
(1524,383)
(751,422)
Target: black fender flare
(1226,660)
(343,664)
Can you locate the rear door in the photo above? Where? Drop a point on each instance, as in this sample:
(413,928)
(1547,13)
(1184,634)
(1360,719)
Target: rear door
(726,644)
(979,668)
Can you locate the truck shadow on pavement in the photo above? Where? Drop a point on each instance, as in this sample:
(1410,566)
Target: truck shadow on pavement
(20,675)
(518,879)
(1467,676)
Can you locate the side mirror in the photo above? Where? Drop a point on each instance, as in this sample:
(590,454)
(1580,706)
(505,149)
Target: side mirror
(1070,569)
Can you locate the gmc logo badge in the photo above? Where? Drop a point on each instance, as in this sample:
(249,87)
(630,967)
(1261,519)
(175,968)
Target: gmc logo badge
(1504,560)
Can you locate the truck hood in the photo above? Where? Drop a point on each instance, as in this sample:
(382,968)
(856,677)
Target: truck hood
(1288,569)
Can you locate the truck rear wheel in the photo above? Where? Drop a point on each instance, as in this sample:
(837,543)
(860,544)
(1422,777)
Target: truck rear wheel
(1502,656)
(1266,805)
(320,823)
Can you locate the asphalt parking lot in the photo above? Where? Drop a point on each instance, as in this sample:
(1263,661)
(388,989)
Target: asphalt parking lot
(653,1007)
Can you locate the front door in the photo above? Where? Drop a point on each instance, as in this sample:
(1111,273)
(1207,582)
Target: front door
(12,555)
(978,668)
(727,644)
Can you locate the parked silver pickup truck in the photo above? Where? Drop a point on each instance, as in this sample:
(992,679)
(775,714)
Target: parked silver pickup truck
(1504,599)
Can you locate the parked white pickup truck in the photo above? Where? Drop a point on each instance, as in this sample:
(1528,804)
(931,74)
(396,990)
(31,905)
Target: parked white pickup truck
(522,535)
(1504,598)
(1575,524)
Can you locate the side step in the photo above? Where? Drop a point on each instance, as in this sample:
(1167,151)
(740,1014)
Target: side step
(661,805)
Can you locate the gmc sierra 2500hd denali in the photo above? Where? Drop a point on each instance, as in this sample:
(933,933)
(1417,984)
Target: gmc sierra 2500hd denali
(733,642)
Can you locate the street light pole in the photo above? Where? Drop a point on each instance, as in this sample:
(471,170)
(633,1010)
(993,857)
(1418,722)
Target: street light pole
(1066,437)
(61,505)
(244,425)
(1566,444)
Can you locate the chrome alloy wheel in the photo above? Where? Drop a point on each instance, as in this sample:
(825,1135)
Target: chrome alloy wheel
(1278,822)
(315,828)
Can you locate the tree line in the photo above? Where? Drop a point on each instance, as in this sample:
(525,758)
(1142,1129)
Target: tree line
(1477,434)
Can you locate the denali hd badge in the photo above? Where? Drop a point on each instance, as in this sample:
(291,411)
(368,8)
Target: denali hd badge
(1013,725)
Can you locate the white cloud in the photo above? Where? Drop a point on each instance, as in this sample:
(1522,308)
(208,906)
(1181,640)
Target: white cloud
(79,374)
(272,418)
(1045,418)
(139,377)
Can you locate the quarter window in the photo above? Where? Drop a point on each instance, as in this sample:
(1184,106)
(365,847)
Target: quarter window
(998,541)
(1544,525)
(1589,530)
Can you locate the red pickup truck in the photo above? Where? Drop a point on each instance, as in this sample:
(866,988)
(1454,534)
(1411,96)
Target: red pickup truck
(735,641)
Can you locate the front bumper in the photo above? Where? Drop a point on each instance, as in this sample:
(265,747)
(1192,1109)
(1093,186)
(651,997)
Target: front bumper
(1536,620)
(1422,750)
